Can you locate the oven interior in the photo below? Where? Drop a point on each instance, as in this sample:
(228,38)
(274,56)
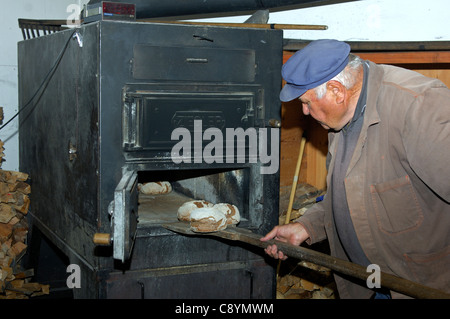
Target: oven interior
(213,185)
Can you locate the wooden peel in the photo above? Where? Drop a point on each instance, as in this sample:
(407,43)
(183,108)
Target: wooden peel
(341,266)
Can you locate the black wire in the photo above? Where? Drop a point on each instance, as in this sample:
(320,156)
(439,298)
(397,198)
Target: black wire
(45,82)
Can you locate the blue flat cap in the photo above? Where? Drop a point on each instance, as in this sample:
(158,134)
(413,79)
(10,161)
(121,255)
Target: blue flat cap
(315,64)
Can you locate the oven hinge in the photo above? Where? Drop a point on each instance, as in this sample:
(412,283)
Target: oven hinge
(260,109)
(130,122)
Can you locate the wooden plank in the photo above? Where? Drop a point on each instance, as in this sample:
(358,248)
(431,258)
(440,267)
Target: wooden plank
(292,127)
(406,57)
(443,75)
(377,46)
(316,155)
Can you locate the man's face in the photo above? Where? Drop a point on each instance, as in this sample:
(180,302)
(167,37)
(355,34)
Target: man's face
(326,111)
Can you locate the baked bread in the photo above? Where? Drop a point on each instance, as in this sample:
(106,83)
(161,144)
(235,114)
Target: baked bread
(155,188)
(184,211)
(207,219)
(230,211)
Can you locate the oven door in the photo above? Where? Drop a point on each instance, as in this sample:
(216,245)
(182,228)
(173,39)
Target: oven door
(124,215)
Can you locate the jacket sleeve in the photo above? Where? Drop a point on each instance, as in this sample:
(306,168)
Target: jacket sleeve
(427,139)
(313,221)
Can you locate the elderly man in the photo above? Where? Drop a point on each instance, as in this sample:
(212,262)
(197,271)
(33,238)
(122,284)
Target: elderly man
(388,182)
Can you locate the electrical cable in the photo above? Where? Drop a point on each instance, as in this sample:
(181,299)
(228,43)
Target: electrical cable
(45,82)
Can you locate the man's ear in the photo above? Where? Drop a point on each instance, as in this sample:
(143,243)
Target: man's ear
(338,90)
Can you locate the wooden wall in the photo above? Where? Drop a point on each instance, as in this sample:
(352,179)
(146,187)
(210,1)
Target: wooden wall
(313,171)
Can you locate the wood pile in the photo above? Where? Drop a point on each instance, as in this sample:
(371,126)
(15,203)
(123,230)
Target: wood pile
(303,280)
(14,203)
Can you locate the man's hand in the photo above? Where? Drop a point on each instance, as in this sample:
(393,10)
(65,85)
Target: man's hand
(293,233)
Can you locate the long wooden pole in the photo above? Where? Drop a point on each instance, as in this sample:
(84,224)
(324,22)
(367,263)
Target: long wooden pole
(245,25)
(341,266)
(295,180)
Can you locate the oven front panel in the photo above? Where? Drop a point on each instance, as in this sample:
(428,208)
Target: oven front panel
(187,63)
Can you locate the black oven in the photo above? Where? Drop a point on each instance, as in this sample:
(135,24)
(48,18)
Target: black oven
(131,103)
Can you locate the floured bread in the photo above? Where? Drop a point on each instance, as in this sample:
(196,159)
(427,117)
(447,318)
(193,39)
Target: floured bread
(184,212)
(230,211)
(155,188)
(207,219)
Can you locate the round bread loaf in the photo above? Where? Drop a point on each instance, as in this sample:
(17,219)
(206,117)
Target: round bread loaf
(155,188)
(230,211)
(184,212)
(207,219)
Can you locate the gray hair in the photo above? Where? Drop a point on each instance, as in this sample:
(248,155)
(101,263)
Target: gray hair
(346,77)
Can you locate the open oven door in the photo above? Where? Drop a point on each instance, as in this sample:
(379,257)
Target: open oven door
(124,213)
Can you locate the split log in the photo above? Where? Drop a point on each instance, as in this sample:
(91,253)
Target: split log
(21,187)
(5,232)
(18,250)
(6,213)
(20,234)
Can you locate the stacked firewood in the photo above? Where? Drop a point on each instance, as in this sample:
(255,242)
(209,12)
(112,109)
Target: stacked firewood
(14,203)
(304,280)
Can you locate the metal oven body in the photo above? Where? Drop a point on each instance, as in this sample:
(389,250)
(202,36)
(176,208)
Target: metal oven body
(106,119)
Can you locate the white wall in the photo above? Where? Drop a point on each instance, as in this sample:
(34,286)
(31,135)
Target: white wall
(373,20)
(365,20)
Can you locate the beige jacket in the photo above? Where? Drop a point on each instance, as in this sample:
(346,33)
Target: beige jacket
(397,183)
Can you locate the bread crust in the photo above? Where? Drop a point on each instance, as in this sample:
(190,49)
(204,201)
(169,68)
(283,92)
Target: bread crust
(207,219)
